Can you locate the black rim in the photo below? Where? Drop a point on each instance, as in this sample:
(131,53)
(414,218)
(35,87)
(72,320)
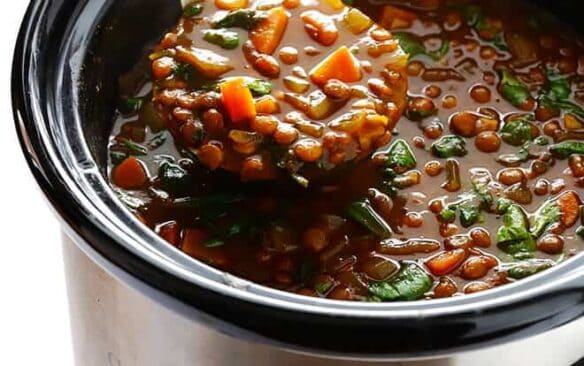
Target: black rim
(77,191)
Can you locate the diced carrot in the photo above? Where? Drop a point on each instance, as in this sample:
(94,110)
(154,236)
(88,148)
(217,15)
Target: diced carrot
(129,174)
(340,65)
(237,100)
(266,36)
(569,203)
(291,4)
(193,244)
(393,17)
(170,232)
(231,4)
(446,262)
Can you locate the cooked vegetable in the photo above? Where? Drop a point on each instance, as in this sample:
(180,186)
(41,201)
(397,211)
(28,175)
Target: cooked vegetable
(204,61)
(267,34)
(237,100)
(362,212)
(131,106)
(547,214)
(222,38)
(174,178)
(129,174)
(260,87)
(569,204)
(513,90)
(393,17)
(242,18)
(400,157)
(340,65)
(414,47)
(193,9)
(134,148)
(231,4)
(449,146)
(517,131)
(517,158)
(411,283)
(526,268)
(469,214)
(357,21)
(514,236)
(560,89)
(453,182)
(563,150)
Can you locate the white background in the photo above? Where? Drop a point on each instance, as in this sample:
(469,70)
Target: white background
(34,326)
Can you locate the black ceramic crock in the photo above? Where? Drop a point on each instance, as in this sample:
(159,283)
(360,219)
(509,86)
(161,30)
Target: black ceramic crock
(66,66)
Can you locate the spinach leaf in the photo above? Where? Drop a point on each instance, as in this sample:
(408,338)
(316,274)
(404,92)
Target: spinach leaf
(469,214)
(410,283)
(449,146)
(556,97)
(131,106)
(517,131)
(222,38)
(559,89)
(134,148)
(473,14)
(580,231)
(514,237)
(362,213)
(513,90)
(570,107)
(193,9)
(400,156)
(547,214)
(563,150)
(242,18)
(517,158)
(173,178)
(260,87)
(116,157)
(526,268)
(415,47)
(322,287)
(470,205)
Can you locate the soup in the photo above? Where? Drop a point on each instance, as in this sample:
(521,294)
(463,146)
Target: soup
(433,150)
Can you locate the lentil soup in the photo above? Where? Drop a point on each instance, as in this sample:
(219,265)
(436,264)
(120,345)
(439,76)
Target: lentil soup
(433,151)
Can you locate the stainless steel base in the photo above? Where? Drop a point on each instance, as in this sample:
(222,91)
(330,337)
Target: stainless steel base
(117,321)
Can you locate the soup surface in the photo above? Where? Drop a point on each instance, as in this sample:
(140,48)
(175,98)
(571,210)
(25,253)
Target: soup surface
(433,150)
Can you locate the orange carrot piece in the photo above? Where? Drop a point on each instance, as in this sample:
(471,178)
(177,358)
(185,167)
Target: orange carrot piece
(129,174)
(237,100)
(393,17)
(231,4)
(569,203)
(340,65)
(446,262)
(266,36)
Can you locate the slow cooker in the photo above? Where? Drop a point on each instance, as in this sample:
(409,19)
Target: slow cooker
(134,300)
